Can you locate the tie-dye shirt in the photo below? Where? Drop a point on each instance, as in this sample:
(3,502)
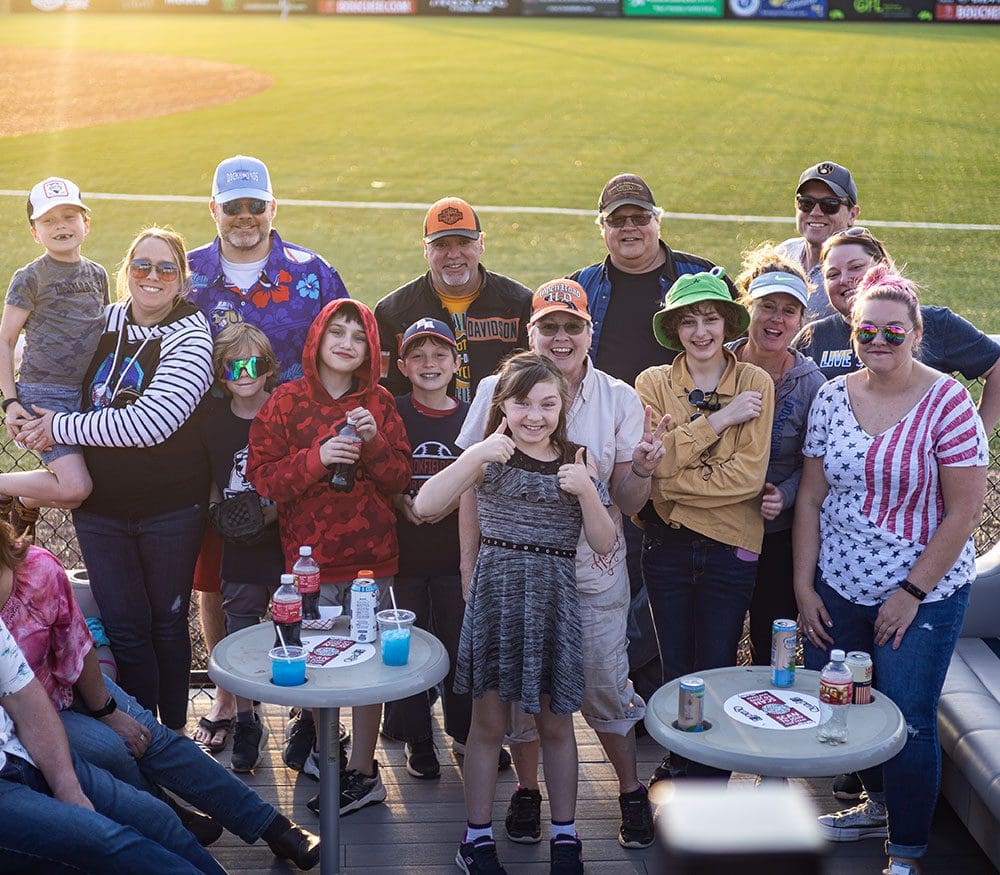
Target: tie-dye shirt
(884,501)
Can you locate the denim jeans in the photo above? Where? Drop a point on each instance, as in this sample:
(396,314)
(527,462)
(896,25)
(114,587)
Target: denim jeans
(128,831)
(171,761)
(912,677)
(141,569)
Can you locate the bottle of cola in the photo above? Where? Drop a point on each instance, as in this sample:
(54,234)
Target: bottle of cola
(286,611)
(342,479)
(306,573)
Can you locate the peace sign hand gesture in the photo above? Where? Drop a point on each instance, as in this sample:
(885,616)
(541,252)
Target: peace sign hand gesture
(650,450)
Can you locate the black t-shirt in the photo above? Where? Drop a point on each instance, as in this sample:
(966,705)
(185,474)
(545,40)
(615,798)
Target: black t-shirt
(627,345)
(226,437)
(429,550)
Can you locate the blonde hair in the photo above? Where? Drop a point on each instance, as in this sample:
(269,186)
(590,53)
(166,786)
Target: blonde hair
(766,258)
(239,341)
(178,249)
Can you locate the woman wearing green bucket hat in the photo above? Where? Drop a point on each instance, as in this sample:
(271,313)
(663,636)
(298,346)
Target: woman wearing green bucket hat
(702,528)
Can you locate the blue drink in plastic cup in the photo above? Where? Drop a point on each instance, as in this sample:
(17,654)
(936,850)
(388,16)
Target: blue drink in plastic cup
(288,666)
(394,633)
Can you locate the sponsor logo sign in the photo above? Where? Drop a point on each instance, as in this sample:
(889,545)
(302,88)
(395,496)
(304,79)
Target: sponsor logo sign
(777,9)
(985,12)
(470,7)
(588,8)
(673,8)
(366,7)
(880,10)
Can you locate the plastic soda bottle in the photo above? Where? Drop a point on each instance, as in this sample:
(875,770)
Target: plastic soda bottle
(342,479)
(364,603)
(306,573)
(286,611)
(835,690)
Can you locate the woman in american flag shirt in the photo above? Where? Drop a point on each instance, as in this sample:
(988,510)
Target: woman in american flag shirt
(892,487)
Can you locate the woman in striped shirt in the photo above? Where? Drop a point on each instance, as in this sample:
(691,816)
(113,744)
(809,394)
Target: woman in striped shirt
(140,528)
(892,486)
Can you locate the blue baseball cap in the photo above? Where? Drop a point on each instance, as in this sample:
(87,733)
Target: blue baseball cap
(778,282)
(241,177)
(427,328)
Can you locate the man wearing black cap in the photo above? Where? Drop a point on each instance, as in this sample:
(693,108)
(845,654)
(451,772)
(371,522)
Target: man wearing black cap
(826,203)
(488,312)
(627,288)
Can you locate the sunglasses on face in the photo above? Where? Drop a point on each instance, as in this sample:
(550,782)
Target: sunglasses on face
(894,335)
(572,327)
(704,400)
(828,205)
(639,221)
(140,268)
(255,205)
(255,366)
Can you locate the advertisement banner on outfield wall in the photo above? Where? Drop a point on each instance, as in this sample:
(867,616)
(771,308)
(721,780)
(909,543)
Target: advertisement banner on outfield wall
(272,7)
(366,7)
(983,12)
(470,7)
(880,10)
(588,8)
(776,9)
(673,8)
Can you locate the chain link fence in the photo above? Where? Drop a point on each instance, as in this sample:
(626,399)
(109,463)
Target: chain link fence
(55,530)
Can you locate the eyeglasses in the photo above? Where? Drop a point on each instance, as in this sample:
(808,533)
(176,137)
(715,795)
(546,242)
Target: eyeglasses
(255,205)
(893,334)
(828,205)
(640,220)
(140,268)
(704,400)
(255,366)
(572,327)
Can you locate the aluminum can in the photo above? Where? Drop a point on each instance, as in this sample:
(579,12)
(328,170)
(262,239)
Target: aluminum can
(691,704)
(784,639)
(860,664)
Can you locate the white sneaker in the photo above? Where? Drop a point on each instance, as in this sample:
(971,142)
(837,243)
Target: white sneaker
(311,767)
(868,820)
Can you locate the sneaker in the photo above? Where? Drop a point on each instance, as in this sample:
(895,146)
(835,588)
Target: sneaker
(666,771)
(358,790)
(422,761)
(300,738)
(479,857)
(865,821)
(23,520)
(249,741)
(848,787)
(524,817)
(503,760)
(637,819)
(565,856)
(311,767)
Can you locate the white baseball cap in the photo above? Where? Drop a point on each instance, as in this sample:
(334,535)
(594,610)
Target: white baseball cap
(53,192)
(241,177)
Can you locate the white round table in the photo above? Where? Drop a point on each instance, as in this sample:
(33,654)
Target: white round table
(240,664)
(876,731)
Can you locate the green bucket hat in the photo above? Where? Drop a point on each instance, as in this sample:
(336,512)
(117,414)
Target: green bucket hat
(693,288)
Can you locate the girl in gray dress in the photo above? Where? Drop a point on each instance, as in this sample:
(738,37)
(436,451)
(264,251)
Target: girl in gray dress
(521,638)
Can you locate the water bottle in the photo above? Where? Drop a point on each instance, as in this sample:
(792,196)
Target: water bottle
(342,479)
(306,573)
(286,611)
(364,603)
(835,690)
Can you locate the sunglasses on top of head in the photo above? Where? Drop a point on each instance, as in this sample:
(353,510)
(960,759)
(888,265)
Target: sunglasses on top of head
(140,268)
(894,335)
(254,366)
(255,205)
(828,205)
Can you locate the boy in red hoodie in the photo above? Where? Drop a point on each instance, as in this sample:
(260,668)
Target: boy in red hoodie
(294,445)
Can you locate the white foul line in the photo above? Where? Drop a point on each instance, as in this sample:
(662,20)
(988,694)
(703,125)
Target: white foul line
(541,211)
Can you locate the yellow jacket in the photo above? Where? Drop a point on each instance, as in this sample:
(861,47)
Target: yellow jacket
(707,482)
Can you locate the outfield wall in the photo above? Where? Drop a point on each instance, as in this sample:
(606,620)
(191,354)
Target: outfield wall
(979,11)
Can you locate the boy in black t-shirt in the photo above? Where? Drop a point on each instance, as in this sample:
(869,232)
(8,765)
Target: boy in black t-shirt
(428,582)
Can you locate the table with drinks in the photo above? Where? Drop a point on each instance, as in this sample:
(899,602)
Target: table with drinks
(363,659)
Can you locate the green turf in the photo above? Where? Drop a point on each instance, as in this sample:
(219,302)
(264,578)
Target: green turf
(719,116)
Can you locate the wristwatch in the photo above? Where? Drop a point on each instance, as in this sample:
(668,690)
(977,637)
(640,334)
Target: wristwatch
(109,708)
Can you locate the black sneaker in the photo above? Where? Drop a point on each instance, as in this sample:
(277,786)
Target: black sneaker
(205,829)
(358,790)
(524,817)
(666,771)
(565,856)
(301,738)
(479,857)
(249,741)
(637,819)
(848,787)
(422,761)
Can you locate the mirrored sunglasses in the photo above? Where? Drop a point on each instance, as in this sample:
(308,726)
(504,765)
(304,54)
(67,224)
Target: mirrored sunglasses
(140,268)
(893,334)
(828,205)
(255,366)
(255,205)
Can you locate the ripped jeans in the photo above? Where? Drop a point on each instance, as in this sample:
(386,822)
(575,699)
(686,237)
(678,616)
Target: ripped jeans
(912,677)
(141,570)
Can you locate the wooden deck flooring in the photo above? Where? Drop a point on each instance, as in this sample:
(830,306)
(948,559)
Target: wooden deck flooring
(416,831)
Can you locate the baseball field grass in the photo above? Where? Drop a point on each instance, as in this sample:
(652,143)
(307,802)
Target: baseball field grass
(719,117)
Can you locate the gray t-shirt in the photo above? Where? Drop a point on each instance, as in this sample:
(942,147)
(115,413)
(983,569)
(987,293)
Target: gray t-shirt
(67,303)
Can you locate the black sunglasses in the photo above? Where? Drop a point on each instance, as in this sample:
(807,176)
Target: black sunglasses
(255,205)
(704,400)
(828,205)
(639,220)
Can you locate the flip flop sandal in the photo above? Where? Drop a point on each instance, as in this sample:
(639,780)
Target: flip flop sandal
(213,727)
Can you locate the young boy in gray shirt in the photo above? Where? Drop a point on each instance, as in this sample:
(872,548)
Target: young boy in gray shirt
(58,300)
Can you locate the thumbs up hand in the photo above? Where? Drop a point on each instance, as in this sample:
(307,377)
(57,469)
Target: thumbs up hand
(574,477)
(497,447)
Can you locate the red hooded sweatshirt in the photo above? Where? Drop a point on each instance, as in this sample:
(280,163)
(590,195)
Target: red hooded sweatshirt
(348,531)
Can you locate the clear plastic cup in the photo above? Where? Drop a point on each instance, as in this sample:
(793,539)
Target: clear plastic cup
(394,633)
(288,666)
